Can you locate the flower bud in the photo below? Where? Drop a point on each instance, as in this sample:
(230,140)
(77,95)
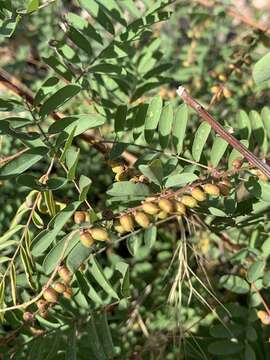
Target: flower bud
(86,239)
(198,194)
(166,205)
(65,274)
(212,189)
(150,208)
(50,295)
(264,317)
(127,222)
(142,219)
(59,287)
(180,208)
(99,234)
(79,217)
(189,201)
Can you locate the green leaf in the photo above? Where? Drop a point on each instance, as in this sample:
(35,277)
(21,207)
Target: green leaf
(180,179)
(243,124)
(179,127)
(165,125)
(265,114)
(218,149)
(67,144)
(258,130)
(54,254)
(259,189)
(104,334)
(44,239)
(261,70)
(23,162)
(152,118)
(234,284)
(235,154)
(150,236)
(71,347)
(59,98)
(123,268)
(79,40)
(200,139)
(9,233)
(255,271)
(84,282)
(32,6)
(72,159)
(225,347)
(12,275)
(128,189)
(84,185)
(153,171)
(34,183)
(58,67)
(93,342)
(82,123)
(77,256)
(120,118)
(100,278)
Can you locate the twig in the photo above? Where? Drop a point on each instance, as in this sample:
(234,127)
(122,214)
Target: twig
(181,91)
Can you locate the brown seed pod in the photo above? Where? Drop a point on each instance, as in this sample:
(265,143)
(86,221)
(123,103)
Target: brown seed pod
(50,295)
(41,304)
(65,274)
(211,189)
(127,222)
(99,234)
(79,217)
(59,287)
(119,228)
(198,194)
(166,205)
(180,208)
(142,219)
(43,313)
(68,293)
(189,201)
(224,188)
(237,163)
(264,317)
(86,239)
(28,316)
(150,208)
(162,215)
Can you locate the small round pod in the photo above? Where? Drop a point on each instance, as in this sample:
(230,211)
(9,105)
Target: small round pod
(99,234)
(119,228)
(65,274)
(68,293)
(86,239)
(198,194)
(150,208)
(237,163)
(43,313)
(59,287)
(142,219)
(117,166)
(28,316)
(211,189)
(264,317)
(127,222)
(50,295)
(41,304)
(180,208)
(189,201)
(79,217)
(224,187)
(166,205)
(162,215)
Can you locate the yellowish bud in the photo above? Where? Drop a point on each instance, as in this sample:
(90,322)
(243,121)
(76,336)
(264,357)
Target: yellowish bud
(142,219)
(150,208)
(127,222)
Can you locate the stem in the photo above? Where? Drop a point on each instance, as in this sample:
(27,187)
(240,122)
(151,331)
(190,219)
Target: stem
(236,144)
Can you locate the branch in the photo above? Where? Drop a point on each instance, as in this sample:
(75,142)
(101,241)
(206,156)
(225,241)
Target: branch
(236,144)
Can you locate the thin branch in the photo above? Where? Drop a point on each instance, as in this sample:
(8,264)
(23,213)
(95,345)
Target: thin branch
(236,144)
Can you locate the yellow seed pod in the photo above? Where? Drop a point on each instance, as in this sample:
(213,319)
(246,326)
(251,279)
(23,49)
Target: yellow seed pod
(262,176)
(118,168)
(180,208)
(198,194)
(227,93)
(222,77)
(79,217)
(189,201)
(224,189)
(68,293)
(28,316)
(214,89)
(119,228)
(166,205)
(59,287)
(121,176)
(127,222)
(162,215)
(212,189)
(99,234)
(86,239)
(142,219)
(50,295)
(41,304)
(150,208)
(264,317)
(65,274)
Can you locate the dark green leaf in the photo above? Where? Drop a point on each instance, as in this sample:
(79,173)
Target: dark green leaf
(179,127)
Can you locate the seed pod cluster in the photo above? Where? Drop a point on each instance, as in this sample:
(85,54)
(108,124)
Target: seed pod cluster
(89,236)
